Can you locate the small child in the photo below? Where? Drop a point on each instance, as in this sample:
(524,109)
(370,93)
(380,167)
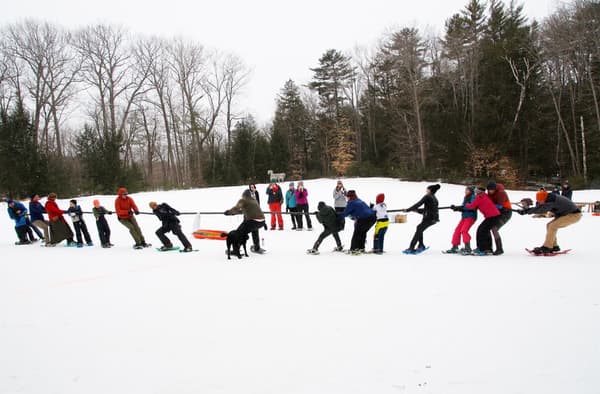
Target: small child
(103,230)
(78,223)
(382,223)
(468,218)
(327,216)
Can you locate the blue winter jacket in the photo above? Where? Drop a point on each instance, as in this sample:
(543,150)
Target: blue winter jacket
(36,211)
(357,209)
(19,218)
(290,198)
(469,213)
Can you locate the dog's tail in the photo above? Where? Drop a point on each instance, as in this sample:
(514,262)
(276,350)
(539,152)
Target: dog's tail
(224,234)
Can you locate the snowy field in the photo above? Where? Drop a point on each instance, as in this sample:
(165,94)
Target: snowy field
(93,320)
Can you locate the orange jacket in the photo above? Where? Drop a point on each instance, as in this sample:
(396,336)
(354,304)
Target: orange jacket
(541,196)
(124,205)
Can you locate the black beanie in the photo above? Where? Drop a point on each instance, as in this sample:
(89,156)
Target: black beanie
(434,188)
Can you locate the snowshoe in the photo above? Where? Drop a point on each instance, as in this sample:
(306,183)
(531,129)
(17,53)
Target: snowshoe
(478,252)
(338,249)
(312,251)
(452,250)
(167,248)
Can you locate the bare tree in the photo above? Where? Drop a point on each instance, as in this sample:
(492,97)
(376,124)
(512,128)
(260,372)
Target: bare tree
(236,75)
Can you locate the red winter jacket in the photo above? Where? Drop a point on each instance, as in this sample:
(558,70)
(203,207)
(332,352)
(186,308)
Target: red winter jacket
(485,205)
(53,211)
(500,197)
(124,205)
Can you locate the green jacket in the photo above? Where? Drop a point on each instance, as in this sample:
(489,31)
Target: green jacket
(249,207)
(328,217)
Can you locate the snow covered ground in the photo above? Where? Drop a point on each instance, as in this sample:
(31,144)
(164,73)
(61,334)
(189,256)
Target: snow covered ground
(119,320)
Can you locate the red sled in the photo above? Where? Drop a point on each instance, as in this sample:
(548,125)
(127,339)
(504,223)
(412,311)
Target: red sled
(548,254)
(210,234)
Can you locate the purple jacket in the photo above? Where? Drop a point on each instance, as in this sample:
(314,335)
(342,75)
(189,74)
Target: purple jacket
(301,197)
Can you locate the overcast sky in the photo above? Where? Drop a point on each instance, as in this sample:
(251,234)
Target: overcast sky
(277,39)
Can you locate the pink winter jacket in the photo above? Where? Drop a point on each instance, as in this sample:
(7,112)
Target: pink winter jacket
(485,205)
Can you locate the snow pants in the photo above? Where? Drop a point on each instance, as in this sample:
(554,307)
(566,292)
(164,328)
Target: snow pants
(251,226)
(176,229)
(462,231)
(380,229)
(275,208)
(484,233)
(44,225)
(326,233)
(81,227)
(418,237)
(103,230)
(134,230)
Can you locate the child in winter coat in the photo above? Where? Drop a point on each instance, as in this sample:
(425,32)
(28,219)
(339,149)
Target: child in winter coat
(17,212)
(79,224)
(382,223)
(327,216)
(170,222)
(430,217)
(468,218)
(103,230)
(491,214)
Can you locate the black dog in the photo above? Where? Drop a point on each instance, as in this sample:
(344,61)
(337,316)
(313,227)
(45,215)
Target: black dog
(234,241)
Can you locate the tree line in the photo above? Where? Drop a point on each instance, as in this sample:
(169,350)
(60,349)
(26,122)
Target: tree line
(496,95)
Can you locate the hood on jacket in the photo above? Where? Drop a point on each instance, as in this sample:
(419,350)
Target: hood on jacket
(122,191)
(321,205)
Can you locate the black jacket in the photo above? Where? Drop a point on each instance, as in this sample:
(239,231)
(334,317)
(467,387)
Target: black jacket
(430,208)
(166,214)
(328,217)
(558,205)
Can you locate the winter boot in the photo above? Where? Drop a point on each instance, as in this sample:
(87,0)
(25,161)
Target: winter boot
(556,248)
(312,251)
(452,250)
(499,249)
(338,248)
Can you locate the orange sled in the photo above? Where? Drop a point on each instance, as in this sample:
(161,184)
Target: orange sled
(209,234)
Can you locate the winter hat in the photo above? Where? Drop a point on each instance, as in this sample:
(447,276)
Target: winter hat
(9,201)
(96,203)
(300,183)
(74,202)
(321,205)
(273,180)
(292,184)
(351,195)
(434,188)
(247,193)
(379,199)
(471,189)
(491,185)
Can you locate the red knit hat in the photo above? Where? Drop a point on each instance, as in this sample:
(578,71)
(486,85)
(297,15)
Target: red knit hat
(379,199)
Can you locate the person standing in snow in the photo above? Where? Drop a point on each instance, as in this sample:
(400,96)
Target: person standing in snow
(17,212)
(125,208)
(76,214)
(364,218)
(491,214)
(327,216)
(499,196)
(290,204)
(468,218)
(565,213)
(339,199)
(302,204)
(59,229)
(275,200)
(254,219)
(382,223)
(103,229)
(37,211)
(430,217)
(170,222)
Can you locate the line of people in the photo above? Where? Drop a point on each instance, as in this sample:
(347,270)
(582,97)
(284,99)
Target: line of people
(492,202)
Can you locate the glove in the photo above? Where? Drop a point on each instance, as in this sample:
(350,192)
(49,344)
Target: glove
(315,213)
(137,213)
(522,211)
(109,212)
(265,225)
(227,213)
(453,207)
(371,205)
(404,210)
